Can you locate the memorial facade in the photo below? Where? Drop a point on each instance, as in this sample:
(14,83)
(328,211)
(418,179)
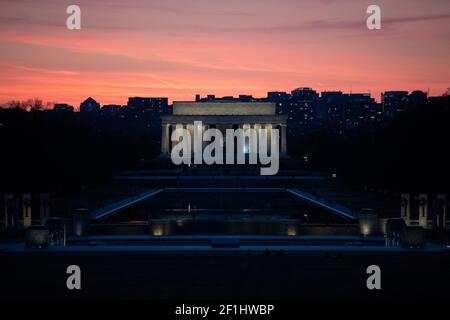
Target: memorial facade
(223,116)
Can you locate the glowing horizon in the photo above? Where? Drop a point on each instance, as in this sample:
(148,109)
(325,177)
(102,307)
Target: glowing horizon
(180,48)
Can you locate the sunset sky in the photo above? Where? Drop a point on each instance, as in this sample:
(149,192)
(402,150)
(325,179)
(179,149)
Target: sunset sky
(177,48)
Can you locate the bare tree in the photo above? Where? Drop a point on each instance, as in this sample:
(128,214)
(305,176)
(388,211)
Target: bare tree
(14,104)
(27,105)
(34,104)
(49,105)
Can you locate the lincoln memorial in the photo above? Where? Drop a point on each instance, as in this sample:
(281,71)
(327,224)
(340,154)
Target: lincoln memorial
(222,116)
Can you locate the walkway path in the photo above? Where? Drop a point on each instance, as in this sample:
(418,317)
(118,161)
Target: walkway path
(130,201)
(123,204)
(321,202)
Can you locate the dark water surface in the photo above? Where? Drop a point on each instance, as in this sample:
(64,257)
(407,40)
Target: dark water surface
(221,213)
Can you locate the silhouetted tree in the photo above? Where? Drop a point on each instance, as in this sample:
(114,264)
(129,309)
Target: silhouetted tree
(26,105)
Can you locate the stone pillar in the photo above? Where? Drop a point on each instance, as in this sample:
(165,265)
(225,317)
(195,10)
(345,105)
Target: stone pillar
(253,144)
(5,212)
(257,127)
(165,142)
(197,144)
(204,128)
(246,150)
(405,207)
(283,141)
(442,208)
(269,137)
(44,208)
(190,128)
(174,143)
(169,139)
(423,210)
(26,211)
(8,211)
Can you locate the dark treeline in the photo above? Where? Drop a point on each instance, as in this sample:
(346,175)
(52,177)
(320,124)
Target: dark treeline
(411,154)
(58,151)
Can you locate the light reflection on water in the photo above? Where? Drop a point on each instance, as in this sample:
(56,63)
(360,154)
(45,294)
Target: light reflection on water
(184,213)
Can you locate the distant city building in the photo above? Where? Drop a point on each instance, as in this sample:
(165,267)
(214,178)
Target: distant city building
(245,98)
(348,111)
(89,105)
(278,96)
(213,98)
(303,109)
(394,102)
(360,110)
(304,94)
(306,109)
(444,100)
(378,114)
(281,99)
(111,109)
(334,103)
(64,107)
(152,106)
(417,98)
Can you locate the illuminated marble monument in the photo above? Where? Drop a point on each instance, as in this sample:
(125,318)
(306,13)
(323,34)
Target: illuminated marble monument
(222,116)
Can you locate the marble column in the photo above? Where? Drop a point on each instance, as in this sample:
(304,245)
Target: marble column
(26,211)
(190,128)
(405,207)
(257,128)
(44,207)
(205,127)
(172,144)
(268,126)
(8,201)
(423,210)
(283,140)
(165,142)
(442,207)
